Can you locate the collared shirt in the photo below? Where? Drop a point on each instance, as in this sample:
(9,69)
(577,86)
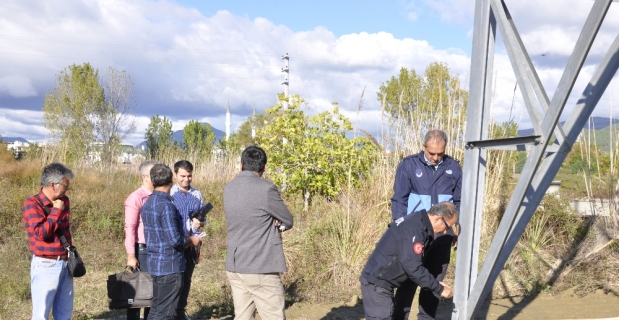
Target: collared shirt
(134,227)
(433,166)
(186,202)
(164,235)
(43,230)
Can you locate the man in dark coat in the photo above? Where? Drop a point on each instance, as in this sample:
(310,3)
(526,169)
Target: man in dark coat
(423,180)
(399,257)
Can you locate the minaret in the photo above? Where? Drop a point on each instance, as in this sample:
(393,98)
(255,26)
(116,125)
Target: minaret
(228,124)
(253,125)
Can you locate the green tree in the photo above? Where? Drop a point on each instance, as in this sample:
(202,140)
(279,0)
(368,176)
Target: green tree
(198,138)
(253,122)
(417,103)
(159,136)
(88,114)
(69,110)
(114,120)
(312,155)
(229,147)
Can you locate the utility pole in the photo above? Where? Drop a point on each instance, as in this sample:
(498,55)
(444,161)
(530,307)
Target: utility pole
(286,70)
(253,123)
(472,284)
(286,83)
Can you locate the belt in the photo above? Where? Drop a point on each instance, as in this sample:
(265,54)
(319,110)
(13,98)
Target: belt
(53,257)
(141,245)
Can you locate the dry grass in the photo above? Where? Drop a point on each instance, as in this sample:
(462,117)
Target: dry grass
(325,251)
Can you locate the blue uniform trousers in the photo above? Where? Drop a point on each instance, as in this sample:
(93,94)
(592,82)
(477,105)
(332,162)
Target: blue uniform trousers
(436,261)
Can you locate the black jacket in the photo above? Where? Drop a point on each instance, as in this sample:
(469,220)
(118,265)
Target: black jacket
(400,254)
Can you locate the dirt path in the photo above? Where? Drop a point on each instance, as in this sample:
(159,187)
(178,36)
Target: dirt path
(544,306)
(598,306)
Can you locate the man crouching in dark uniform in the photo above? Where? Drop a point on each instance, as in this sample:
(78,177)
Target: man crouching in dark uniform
(399,255)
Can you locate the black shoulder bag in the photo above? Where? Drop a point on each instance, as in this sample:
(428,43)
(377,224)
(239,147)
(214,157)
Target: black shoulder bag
(75,265)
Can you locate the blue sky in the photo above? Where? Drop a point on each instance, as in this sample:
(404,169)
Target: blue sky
(401,19)
(189,59)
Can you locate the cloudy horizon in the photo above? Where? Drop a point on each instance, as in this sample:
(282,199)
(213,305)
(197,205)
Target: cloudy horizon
(189,59)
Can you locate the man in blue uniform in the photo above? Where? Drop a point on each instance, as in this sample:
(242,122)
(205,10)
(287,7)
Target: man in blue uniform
(399,257)
(423,180)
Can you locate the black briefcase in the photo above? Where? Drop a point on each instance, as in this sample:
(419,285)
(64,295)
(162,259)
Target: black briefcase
(129,290)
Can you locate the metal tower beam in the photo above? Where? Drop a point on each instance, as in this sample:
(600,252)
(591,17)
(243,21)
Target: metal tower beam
(471,288)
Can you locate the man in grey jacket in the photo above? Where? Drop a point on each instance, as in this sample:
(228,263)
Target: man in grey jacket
(256,215)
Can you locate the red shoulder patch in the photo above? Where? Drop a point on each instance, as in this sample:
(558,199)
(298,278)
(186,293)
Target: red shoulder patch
(418,248)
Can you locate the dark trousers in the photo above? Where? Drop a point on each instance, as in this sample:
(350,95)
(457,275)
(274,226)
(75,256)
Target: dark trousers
(377,301)
(166,291)
(140,252)
(182,301)
(436,261)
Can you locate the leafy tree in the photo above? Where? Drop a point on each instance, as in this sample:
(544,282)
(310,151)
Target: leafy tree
(114,121)
(198,138)
(587,158)
(417,103)
(255,122)
(229,147)
(69,110)
(159,136)
(84,110)
(312,155)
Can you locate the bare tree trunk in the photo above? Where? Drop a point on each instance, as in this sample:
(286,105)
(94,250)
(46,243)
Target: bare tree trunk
(306,200)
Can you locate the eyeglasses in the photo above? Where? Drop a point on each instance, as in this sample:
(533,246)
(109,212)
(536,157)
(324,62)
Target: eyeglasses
(447,227)
(66,186)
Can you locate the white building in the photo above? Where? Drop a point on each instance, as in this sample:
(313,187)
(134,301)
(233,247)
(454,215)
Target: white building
(17,146)
(128,153)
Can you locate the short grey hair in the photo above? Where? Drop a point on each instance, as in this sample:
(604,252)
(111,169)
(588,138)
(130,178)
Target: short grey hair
(146,165)
(436,135)
(444,209)
(54,173)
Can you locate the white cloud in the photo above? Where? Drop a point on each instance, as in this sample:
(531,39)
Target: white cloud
(459,11)
(17,86)
(187,66)
(412,16)
(22,123)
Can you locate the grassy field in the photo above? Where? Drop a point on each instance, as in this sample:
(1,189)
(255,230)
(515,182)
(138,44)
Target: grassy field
(325,251)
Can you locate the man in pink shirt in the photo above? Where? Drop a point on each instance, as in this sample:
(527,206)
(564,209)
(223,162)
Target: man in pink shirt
(135,242)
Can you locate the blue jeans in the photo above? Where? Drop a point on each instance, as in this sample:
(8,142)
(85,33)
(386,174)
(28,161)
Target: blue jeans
(51,288)
(166,292)
(134,313)
(190,266)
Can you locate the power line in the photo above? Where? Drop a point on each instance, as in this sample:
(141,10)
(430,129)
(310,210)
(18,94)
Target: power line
(202,77)
(225,65)
(133,47)
(161,63)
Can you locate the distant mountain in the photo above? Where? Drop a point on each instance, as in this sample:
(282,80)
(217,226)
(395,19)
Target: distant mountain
(13,139)
(178,137)
(597,123)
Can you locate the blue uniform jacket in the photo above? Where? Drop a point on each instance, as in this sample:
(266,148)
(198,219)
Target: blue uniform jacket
(400,253)
(418,185)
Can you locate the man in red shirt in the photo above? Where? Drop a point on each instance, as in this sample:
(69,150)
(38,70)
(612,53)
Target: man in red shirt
(51,285)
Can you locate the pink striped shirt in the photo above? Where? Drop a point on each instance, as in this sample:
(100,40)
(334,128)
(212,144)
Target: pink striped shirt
(134,227)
